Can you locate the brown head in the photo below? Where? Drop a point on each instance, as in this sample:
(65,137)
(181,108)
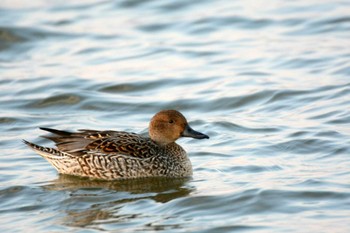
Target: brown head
(169,125)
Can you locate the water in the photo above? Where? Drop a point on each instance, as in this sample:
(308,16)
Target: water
(268,81)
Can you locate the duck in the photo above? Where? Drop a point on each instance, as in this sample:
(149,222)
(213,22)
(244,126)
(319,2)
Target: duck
(113,155)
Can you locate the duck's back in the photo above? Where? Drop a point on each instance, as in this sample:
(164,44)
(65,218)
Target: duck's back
(113,155)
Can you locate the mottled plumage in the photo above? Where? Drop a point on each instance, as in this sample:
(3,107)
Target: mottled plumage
(113,155)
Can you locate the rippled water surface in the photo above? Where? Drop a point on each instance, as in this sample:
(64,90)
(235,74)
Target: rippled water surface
(269,81)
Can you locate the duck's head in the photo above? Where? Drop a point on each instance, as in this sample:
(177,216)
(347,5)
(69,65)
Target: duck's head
(169,125)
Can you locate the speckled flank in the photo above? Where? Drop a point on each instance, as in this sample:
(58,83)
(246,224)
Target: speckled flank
(113,155)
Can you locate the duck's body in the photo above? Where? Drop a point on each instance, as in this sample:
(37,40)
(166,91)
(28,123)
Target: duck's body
(113,155)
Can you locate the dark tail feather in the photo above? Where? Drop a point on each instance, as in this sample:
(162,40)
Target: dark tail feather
(57,132)
(67,141)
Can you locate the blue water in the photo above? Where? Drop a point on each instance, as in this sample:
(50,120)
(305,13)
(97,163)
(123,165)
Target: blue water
(268,81)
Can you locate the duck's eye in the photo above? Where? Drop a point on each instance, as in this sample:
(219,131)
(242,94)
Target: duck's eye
(171,121)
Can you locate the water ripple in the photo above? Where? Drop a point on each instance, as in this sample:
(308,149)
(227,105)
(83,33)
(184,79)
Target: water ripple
(268,82)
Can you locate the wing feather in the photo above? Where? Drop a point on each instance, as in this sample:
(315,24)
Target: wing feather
(103,142)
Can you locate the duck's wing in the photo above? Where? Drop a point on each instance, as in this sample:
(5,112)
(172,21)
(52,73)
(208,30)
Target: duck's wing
(102,142)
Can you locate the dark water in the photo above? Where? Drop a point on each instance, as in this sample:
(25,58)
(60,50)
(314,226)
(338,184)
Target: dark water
(269,81)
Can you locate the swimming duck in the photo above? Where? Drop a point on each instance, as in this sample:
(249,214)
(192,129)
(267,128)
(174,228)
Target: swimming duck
(111,155)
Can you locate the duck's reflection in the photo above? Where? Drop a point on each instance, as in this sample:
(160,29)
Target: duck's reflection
(91,203)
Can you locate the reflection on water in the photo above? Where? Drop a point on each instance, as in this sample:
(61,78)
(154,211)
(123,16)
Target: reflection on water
(268,82)
(159,189)
(101,201)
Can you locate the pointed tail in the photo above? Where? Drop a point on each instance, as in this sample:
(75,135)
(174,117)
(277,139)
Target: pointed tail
(47,152)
